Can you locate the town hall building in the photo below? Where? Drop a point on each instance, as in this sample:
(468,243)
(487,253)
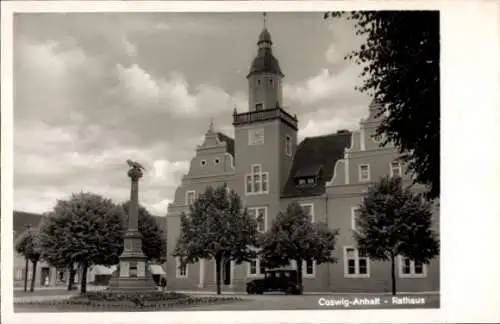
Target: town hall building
(268,168)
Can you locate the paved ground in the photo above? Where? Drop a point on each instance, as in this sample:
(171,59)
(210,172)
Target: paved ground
(47,294)
(278,302)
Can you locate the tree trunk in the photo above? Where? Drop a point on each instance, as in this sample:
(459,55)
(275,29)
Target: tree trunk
(33,276)
(218,261)
(26,265)
(393,274)
(71,280)
(83,285)
(299,274)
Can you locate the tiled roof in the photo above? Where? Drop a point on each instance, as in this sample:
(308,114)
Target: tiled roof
(316,156)
(265,62)
(20,219)
(229,141)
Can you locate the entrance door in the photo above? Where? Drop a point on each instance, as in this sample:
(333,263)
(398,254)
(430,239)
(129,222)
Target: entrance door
(226,272)
(45,277)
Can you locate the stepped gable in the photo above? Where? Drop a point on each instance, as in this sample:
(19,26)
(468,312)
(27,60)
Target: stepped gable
(316,157)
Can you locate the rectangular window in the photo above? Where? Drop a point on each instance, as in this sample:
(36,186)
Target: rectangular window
(406,266)
(256,182)
(19,274)
(259,213)
(310,181)
(364,172)
(354,216)
(308,209)
(396,169)
(356,263)
(309,267)
(259,106)
(252,267)
(264,182)
(181,271)
(288,145)
(249,184)
(411,269)
(302,181)
(190,197)
(255,268)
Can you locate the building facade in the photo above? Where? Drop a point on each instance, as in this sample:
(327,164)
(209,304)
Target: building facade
(328,175)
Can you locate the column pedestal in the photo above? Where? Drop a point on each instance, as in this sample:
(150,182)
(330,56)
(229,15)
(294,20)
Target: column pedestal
(133,275)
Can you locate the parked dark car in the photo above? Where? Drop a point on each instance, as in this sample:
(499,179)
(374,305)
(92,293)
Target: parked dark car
(275,280)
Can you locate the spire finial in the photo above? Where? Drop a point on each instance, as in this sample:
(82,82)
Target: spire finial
(264,16)
(211,125)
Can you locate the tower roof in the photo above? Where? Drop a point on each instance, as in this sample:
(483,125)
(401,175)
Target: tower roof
(265,62)
(265,36)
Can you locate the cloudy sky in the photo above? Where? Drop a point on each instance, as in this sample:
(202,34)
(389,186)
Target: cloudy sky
(92,90)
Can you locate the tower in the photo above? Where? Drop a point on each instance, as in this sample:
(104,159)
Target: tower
(265,76)
(265,135)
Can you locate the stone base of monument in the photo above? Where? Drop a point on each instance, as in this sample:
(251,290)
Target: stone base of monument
(132,285)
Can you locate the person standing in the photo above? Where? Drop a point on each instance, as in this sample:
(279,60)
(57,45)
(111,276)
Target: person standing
(163,283)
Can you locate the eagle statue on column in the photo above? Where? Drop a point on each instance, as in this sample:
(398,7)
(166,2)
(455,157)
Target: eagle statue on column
(135,165)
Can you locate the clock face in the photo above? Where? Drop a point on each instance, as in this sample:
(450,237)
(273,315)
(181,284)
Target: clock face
(256,136)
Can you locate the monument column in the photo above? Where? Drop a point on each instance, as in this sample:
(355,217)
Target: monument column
(133,274)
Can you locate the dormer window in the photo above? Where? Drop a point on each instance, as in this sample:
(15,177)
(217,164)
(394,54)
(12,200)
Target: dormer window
(259,106)
(306,181)
(308,176)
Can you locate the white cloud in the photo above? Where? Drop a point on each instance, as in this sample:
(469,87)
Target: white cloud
(137,84)
(169,172)
(160,208)
(323,86)
(48,138)
(325,126)
(333,56)
(48,81)
(173,93)
(130,48)
(49,60)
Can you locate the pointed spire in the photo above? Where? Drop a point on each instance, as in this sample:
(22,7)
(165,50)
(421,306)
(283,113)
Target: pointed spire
(211,126)
(264,37)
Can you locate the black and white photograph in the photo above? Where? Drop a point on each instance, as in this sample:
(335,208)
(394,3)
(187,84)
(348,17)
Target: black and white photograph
(242,160)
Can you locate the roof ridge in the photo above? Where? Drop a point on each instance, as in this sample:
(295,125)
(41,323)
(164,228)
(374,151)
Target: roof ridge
(327,135)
